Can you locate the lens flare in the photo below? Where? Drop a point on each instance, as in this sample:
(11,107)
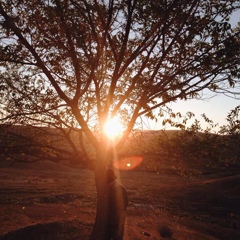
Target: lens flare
(128,163)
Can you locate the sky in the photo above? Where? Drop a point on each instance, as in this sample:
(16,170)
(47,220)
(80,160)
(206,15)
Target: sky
(216,108)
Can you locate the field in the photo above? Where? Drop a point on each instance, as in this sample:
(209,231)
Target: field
(46,201)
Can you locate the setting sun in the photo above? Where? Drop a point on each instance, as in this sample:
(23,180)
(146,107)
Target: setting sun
(113,128)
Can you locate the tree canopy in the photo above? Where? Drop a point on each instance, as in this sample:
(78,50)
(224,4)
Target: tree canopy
(75,64)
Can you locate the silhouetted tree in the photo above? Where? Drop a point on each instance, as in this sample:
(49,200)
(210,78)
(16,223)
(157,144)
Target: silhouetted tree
(75,64)
(212,148)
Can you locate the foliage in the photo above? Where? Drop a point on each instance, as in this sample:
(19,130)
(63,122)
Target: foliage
(233,119)
(196,144)
(74,64)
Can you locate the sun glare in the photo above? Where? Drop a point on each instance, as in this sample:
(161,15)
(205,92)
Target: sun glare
(113,128)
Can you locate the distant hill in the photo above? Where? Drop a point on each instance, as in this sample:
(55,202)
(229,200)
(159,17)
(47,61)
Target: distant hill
(170,149)
(26,143)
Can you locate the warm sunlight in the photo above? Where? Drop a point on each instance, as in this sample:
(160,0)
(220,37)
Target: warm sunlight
(113,128)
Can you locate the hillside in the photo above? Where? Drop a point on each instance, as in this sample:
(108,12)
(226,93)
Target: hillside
(182,152)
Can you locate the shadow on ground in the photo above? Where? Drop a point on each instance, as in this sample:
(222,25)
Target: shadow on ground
(71,230)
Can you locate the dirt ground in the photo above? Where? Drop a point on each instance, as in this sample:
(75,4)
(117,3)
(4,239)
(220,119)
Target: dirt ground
(46,201)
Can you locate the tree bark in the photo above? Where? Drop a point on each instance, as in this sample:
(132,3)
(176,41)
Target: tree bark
(101,220)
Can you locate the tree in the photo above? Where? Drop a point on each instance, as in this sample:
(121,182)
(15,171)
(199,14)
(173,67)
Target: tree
(232,132)
(76,64)
(207,147)
(233,120)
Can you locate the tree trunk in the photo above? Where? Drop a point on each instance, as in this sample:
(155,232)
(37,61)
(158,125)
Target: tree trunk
(101,220)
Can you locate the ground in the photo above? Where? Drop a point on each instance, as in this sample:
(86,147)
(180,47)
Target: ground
(46,201)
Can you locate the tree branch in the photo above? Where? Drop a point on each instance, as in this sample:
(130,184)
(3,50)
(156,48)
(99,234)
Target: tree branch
(11,25)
